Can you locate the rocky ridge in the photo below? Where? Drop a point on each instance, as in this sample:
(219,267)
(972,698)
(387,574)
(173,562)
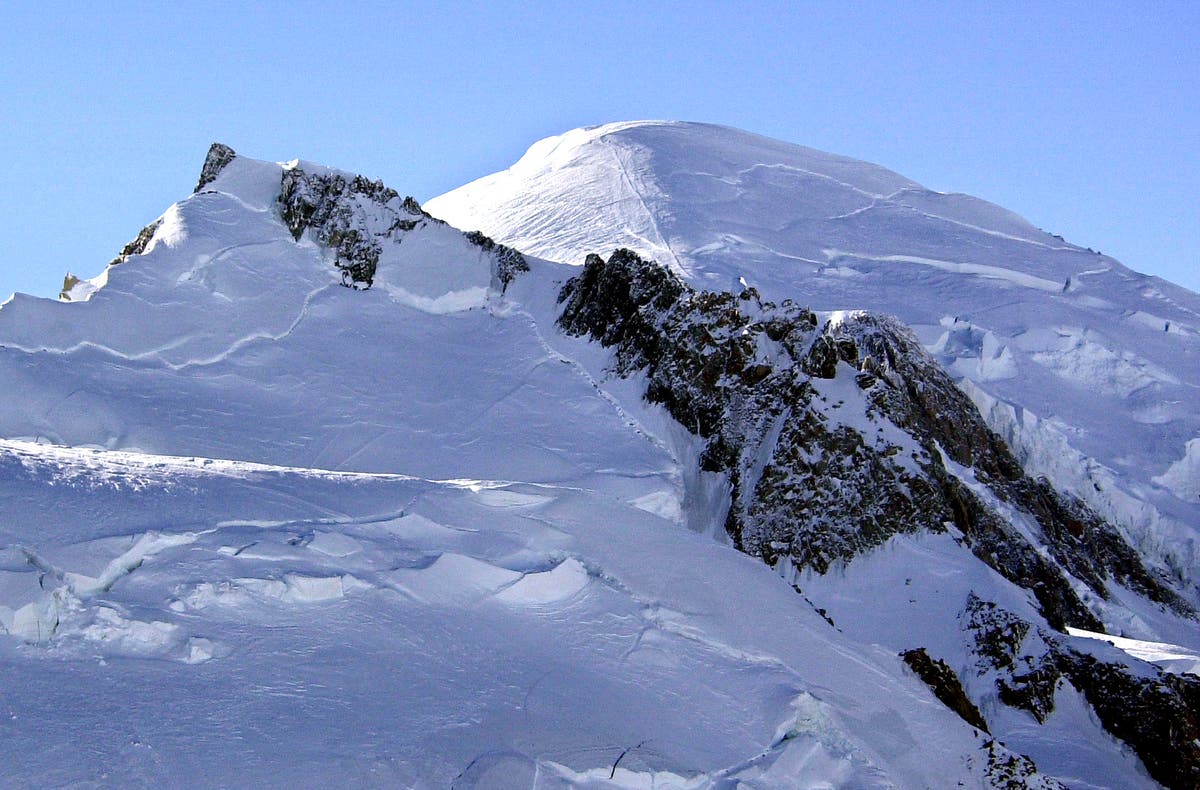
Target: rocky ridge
(350,215)
(332,207)
(838,433)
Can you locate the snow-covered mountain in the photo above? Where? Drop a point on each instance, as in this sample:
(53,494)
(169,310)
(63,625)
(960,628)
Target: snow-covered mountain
(309,487)
(1089,370)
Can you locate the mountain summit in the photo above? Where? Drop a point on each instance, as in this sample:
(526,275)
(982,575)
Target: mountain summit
(1089,370)
(310,486)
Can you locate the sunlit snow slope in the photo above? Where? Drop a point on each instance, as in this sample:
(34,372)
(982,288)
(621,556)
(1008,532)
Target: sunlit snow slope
(1090,370)
(257,528)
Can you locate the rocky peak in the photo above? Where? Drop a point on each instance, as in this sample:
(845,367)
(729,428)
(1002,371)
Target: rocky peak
(219,155)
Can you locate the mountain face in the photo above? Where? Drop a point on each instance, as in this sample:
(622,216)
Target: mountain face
(1089,371)
(310,485)
(782,403)
(837,436)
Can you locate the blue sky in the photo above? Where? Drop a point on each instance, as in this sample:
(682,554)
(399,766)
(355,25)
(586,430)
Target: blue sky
(1082,117)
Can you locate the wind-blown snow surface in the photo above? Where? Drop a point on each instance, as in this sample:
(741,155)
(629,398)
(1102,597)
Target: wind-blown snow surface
(1091,371)
(259,528)
(225,623)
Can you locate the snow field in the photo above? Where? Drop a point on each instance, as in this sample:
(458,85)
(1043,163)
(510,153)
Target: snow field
(435,628)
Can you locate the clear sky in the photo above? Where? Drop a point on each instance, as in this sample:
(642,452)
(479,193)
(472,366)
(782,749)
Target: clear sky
(1082,117)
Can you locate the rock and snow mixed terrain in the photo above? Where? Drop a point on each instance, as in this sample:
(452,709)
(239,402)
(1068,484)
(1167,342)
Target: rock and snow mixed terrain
(1089,370)
(475,520)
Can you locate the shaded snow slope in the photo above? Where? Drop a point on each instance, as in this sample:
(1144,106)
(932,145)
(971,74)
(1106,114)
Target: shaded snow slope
(1091,371)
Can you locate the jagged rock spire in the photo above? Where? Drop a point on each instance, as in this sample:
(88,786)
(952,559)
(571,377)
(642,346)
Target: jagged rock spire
(219,155)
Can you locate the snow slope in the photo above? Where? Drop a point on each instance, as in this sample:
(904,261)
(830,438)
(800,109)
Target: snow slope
(183,622)
(1090,370)
(260,528)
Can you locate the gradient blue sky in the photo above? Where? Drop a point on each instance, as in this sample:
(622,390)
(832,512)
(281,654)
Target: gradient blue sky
(1083,117)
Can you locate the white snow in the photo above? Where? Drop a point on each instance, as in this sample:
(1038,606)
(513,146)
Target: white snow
(453,578)
(560,583)
(1172,658)
(335,544)
(1183,476)
(481,640)
(262,529)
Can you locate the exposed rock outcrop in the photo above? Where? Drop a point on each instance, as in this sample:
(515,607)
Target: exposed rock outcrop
(331,205)
(355,217)
(219,155)
(838,434)
(69,282)
(1007,770)
(1155,712)
(509,262)
(138,245)
(945,685)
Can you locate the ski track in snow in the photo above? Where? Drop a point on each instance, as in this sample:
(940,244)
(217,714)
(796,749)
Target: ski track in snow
(618,156)
(822,176)
(579,369)
(890,201)
(979,270)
